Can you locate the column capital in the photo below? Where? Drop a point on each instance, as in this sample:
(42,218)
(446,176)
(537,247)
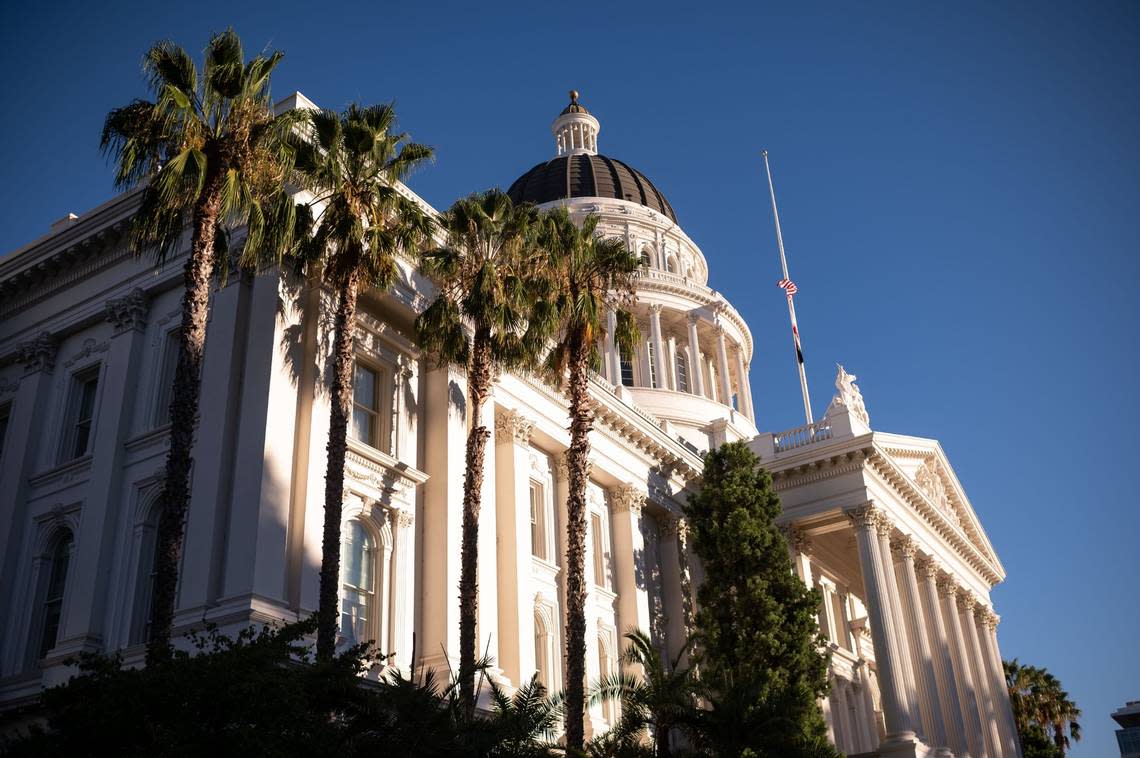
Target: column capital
(655,308)
(627,497)
(673,526)
(884,526)
(404,519)
(906,546)
(966,601)
(128,313)
(947,586)
(991,619)
(926,568)
(38,353)
(693,318)
(865,516)
(513,425)
(797,538)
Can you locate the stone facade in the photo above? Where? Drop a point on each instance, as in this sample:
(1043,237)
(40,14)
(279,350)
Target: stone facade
(877,521)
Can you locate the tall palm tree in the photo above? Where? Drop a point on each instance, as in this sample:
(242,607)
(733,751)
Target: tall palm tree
(661,698)
(206,150)
(586,278)
(359,223)
(1039,701)
(481,273)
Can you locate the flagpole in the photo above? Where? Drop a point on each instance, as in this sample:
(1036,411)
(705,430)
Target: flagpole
(789,289)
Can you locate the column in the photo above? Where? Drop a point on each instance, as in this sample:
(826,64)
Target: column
(940,653)
(966,606)
(1011,745)
(611,357)
(512,495)
(626,502)
(82,627)
(674,569)
(829,625)
(967,700)
(896,706)
(722,367)
(403,584)
(671,361)
(799,545)
(898,625)
(868,731)
(658,346)
(487,572)
(935,729)
(842,719)
(745,399)
(748,392)
(25,429)
(695,368)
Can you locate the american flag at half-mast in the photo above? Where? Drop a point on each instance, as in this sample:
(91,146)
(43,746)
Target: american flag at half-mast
(788,286)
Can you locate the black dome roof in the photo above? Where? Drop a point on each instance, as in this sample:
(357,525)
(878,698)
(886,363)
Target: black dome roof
(588,176)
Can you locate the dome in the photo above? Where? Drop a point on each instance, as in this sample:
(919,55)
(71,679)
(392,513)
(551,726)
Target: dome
(588,175)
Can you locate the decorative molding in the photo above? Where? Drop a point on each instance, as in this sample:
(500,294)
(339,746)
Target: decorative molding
(906,546)
(966,601)
(926,568)
(865,517)
(627,497)
(513,425)
(90,348)
(929,479)
(128,313)
(404,519)
(38,353)
(947,586)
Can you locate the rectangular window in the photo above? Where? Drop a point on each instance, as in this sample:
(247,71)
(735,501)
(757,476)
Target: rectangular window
(626,369)
(537,522)
(366,423)
(167,370)
(682,372)
(601,555)
(841,629)
(5,414)
(81,413)
(652,366)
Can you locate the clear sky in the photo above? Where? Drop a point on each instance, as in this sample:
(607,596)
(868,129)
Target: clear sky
(959,189)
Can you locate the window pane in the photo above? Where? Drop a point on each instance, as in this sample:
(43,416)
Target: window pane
(626,369)
(53,598)
(354,616)
(682,372)
(652,367)
(537,523)
(166,378)
(597,547)
(82,412)
(363,425)
(364,387)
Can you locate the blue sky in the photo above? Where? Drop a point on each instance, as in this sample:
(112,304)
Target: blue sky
(958,185)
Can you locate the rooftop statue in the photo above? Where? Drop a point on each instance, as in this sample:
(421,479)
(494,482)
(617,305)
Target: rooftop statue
(848,396)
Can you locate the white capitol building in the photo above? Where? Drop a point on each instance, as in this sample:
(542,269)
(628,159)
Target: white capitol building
(877,520)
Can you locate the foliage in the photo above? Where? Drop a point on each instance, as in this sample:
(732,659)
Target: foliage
(355,225)
(757,639)
(481,274)
(1042,709)
(209,150)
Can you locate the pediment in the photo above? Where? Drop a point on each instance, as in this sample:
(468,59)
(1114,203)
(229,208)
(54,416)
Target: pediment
(928,470)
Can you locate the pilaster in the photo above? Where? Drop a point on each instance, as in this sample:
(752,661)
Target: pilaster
(626,503)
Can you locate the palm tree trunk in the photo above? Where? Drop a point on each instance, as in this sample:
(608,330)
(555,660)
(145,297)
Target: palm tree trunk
(184,396)
(479,386)
(341,403)
(661,741)
(581,423)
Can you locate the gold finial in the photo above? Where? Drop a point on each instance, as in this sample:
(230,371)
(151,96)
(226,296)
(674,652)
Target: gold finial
(573,96)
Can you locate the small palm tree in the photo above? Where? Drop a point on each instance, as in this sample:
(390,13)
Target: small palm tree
(206,150)
(586,278)
(661,698)
(359,223)
(1039,702)
(481,275)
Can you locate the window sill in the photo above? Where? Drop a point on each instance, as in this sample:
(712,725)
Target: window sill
(65,472)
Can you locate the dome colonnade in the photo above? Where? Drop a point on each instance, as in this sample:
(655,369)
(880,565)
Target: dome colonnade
(691,368)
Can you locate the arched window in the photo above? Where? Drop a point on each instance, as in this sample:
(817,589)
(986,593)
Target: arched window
(671,264)
(358,583)
(682,371)
(51,603)
(147,532)
(645,259)
(626,361)
(607,666)
(542,649)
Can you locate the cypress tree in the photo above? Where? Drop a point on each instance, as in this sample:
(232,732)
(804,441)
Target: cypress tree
(757,636)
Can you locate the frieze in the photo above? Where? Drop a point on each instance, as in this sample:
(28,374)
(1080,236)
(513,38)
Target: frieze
(90,348)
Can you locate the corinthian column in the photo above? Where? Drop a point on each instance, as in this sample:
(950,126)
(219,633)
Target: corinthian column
(898,621)
(988,632)
(934,729)
(966,606)
(658,346)
(896,706)
(963,678)
(940,653)
(745,399)
(626,502)
(722,367)
(695,367)
(512,503)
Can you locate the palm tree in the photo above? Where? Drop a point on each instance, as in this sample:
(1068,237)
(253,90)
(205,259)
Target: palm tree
(587,277)
(1040,702)
(207,149)
(360,222)
(481,275)
(661,698)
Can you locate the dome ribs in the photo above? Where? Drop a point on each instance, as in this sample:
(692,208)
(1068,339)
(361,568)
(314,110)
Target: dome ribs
(588,176)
